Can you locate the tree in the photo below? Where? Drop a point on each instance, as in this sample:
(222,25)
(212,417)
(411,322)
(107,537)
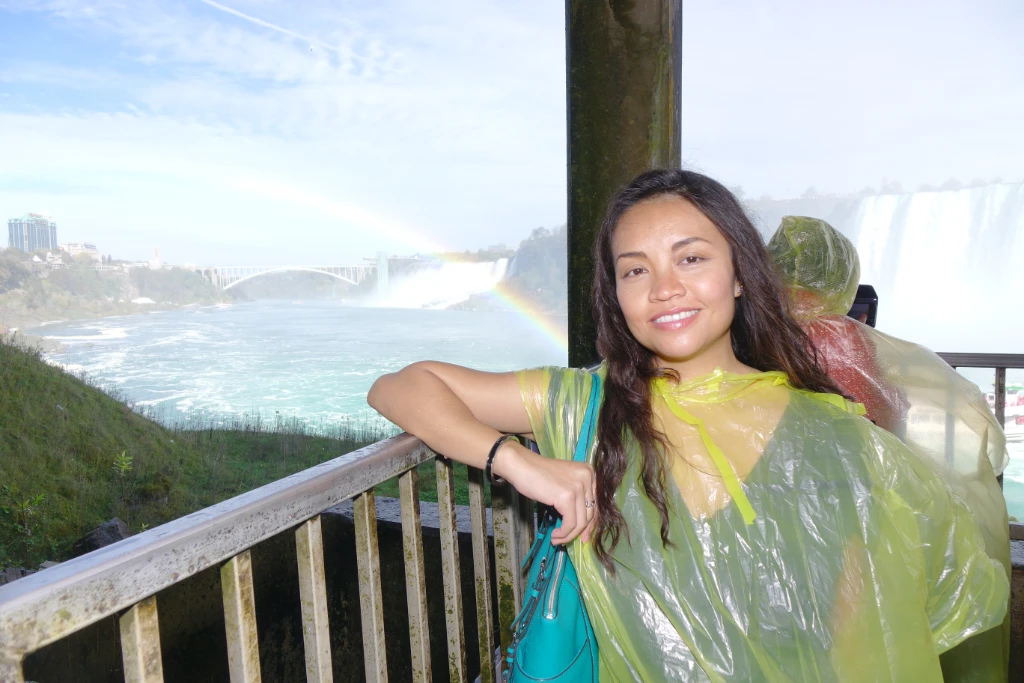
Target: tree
(891,186)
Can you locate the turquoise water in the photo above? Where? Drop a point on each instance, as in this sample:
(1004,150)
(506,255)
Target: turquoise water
(312,360)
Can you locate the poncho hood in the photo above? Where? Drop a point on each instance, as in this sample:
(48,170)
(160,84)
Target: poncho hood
(818,265)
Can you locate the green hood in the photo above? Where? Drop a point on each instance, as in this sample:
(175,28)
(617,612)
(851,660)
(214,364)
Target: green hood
(819,266)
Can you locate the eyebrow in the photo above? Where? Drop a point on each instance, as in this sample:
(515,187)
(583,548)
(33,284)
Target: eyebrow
(675,247)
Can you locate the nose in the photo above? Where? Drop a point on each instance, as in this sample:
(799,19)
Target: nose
(665,286)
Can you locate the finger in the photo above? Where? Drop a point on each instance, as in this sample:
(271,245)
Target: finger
(591,501)
(589,531)
(581,512)
(566,507)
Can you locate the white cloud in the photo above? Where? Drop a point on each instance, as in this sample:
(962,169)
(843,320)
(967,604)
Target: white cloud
(459,140)
(450,115)
(781,96)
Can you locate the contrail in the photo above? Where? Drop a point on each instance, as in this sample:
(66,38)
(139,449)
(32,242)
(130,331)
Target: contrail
(267,24)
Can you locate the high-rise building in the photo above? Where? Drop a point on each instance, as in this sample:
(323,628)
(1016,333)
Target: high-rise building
(32,231)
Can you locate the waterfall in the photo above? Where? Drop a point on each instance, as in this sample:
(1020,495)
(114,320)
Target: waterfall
(439,285)
(948,265)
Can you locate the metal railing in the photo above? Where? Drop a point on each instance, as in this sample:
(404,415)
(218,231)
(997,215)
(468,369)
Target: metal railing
(1000,362)
(126,578)
(57,602)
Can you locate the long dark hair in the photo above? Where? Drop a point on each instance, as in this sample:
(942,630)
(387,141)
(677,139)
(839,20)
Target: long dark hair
(764,336)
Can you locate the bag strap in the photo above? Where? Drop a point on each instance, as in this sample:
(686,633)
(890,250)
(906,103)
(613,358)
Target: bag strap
(586,438)
(583,443)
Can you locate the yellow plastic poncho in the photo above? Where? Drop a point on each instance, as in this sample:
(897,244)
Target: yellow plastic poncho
(940,415)
(806,543)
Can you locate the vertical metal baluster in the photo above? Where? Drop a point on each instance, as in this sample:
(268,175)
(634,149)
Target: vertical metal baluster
(450,569)
(370,601)
(504,512)
(140,643)
(999,407)
(415,579)
(482,572)
(240,619)
(316,637)
(1000,397)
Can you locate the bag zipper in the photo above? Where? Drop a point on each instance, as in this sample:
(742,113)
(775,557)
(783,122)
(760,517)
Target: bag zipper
(556,580)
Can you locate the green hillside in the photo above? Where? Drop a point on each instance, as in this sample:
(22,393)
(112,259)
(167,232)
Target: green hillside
(72,457)
(32,292)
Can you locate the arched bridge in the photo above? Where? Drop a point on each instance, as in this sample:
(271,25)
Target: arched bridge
(226,277)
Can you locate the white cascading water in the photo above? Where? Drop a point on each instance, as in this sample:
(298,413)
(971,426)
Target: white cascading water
(441,285)
(948,266)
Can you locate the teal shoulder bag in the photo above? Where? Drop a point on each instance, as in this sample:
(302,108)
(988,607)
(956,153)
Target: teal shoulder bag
(552,639)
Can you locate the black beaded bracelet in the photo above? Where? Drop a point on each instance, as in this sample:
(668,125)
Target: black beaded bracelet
(494,451)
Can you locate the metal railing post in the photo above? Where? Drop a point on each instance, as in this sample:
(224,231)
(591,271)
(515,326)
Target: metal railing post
(140,643)
(316,637)
(370,599)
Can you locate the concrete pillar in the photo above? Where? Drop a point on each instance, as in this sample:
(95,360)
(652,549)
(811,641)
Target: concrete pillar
(623,68)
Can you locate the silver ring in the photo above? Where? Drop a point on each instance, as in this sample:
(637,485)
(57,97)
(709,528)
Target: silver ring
(589,503)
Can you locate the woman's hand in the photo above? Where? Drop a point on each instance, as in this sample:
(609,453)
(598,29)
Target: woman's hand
(460,412)
(570,487)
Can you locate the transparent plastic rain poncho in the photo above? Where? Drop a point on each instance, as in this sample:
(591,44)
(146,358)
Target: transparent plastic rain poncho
(908,390)
(806,543)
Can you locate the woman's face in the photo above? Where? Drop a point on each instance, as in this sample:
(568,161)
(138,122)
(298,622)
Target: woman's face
(676,285)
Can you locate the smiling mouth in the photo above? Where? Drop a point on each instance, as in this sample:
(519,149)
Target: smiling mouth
(675,317)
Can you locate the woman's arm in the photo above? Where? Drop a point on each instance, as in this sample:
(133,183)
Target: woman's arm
(461,412)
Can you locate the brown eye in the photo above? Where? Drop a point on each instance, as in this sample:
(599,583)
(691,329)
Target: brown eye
(691,260)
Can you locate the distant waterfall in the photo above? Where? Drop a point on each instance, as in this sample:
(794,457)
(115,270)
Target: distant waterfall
(948,266)
(442,284)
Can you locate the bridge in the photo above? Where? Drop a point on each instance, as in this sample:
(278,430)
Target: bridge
(226,277)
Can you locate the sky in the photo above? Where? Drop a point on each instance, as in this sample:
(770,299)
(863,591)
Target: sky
(257,132)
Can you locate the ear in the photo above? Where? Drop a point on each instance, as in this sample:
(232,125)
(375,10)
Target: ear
(737,290)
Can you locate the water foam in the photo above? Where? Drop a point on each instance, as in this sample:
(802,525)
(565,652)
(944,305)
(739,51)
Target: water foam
(442,285)
(105,334)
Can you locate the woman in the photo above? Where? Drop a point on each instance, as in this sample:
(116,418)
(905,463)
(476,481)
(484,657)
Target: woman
(738,521)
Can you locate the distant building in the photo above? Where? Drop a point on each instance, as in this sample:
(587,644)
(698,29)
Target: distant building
(73,249)
(31,232)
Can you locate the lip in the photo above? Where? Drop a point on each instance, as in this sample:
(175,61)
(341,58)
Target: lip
(675,324)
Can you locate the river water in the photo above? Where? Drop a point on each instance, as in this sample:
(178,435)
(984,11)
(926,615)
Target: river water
(311,360)
(314,360)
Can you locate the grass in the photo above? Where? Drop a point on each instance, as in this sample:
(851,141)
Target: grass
(72,457)
(428,485)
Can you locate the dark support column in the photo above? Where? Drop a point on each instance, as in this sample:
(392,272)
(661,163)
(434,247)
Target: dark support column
(623,65)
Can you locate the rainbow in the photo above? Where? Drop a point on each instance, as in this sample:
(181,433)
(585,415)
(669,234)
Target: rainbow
(543,323)
(396,232)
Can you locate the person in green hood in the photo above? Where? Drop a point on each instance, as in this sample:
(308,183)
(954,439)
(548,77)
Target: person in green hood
(909,391)
(738,519)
